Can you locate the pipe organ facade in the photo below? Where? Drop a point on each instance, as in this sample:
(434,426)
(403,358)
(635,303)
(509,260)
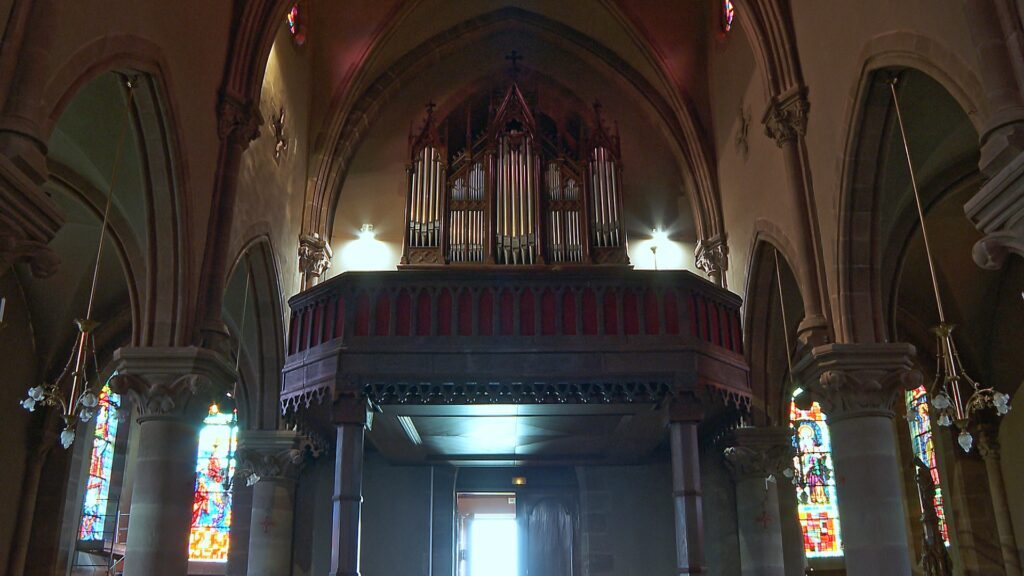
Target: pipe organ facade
(515,186)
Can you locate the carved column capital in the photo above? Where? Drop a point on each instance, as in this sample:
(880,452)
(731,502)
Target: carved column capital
(712,257)
(272,455)
(171,382)
(314,258)
(786,117)
(237,121)
(759,452)
(853,380)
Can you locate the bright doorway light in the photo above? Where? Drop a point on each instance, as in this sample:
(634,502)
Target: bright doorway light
(487,533)
(493,546)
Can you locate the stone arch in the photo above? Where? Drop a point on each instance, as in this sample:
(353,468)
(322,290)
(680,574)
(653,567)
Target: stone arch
(763,320)
(769,26)
(258,337)
(121,239)
(348,124)
(164,316)
(861,308)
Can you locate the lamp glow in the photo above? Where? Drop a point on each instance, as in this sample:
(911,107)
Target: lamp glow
(659,252)
(367,253)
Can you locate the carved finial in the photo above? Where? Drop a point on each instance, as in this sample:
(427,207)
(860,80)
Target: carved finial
(431,106)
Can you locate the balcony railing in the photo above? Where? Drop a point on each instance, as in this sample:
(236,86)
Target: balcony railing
(498,305)
(500,325)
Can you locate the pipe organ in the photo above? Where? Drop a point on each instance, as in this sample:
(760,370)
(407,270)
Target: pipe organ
(522,189)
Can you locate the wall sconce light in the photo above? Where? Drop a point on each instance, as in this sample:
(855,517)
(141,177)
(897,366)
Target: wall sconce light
(519,480)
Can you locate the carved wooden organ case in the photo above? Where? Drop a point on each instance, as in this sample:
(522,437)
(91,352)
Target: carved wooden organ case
(514,193)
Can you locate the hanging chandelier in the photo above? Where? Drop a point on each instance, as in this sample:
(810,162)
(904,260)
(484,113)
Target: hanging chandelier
(81,401)
(956,398)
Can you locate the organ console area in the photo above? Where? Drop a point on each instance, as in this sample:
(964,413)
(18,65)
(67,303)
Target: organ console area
(498,180)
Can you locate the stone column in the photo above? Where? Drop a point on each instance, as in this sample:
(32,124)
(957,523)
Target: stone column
(686,491)
(987,433)
(785,121)
(270,462)
(238,124)
(351,421)
(172,389)
(858,386)
(792,533)
(757,458)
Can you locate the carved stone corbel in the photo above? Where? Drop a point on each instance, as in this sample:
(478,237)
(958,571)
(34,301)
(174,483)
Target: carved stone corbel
(712,257)
(314,258)
(238,122)
(786,117)
(759,452)
(272,455)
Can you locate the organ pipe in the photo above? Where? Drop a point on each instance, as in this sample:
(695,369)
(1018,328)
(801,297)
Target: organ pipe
(513,196)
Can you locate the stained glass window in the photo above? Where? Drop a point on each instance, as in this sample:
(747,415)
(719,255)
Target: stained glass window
(815,483)
(293,20)
(211,507)
(924,450)
(101,465)
(728,15)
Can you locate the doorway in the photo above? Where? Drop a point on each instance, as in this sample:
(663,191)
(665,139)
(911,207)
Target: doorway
(488,534)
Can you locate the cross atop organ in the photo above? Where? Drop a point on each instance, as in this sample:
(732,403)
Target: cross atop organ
(500,181)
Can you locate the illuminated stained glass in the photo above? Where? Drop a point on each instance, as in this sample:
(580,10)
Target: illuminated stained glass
(728,15)
(921,438)
(816,485)
(101,464)
(293,20)
(211,507)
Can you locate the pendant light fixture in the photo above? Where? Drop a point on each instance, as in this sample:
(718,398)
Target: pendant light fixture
(80,401)
(955,396)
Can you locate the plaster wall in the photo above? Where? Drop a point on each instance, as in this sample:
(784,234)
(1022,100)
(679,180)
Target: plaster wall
(271,192)
(19,366)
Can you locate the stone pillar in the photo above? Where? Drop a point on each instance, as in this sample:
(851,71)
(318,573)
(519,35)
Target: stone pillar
(686,491)
(172,389)
(712,257)
(757,458)
(987,433)
(270,462)
(997,209)
(351,420)
(314,259)
(238,125)
(792,533)
(785,121)
(858,386)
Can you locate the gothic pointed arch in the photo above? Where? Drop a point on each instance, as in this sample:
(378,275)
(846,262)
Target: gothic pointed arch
(763,323)
(253,313)
(155,132)
(352,114)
